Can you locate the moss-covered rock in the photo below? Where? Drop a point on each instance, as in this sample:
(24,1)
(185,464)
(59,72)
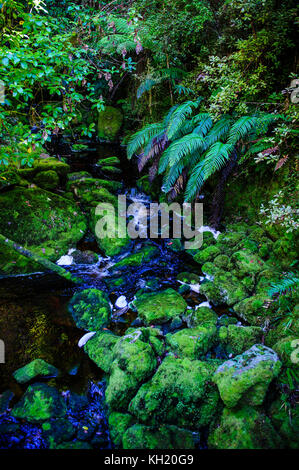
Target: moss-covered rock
(136,259)
(247,263)
(118,424)
(246,378)
(109,123)
(43,222)
(36,368)
(57,431)
(202,316)
(244,428)
(47,180)
(181,392)
(160,307)
(192,342)
(252,309)
(237,339)
(207,254)
(40,403)
(8,179)
(134,361)
(288,351)
(224,289)
(163,437)
(90,309)
(100,349)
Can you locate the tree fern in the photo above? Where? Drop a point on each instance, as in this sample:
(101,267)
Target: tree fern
(240,129)
(179,149)
(179,116)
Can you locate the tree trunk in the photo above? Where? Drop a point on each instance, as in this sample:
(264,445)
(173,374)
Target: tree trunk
(38,259)
(219,193)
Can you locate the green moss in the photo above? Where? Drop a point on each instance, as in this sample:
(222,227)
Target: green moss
(109,123)
(224,289)
(49,164)
(47,180)
(202,316)
(252,310)
(180,393)
(206,254)
(45,223)
(247,263)
(192,342)
(36,368)
(39,403)
(238,339)
(246,377)
(90,309)
(8,179)
(57,431)
(245,428)
(287,349)
(134,361)
(100,349)
(118,424)
(222,261)
(160,307)
(162,437)
(188,278)
(136,259)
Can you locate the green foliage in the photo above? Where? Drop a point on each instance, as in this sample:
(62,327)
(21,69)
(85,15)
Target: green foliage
(289,283)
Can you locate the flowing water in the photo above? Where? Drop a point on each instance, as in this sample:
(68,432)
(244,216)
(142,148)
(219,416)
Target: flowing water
(35,323)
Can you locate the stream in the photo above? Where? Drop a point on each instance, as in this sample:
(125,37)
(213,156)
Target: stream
(37,324)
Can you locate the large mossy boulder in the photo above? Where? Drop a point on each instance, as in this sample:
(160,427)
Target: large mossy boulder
(202,316)
(36,368)
(192,342)
(43,222)
(237,339)
(181,392)
(118,424)
(109,123)
(225,288)
(134,361)
(90,309)
(160,307)
(40,403)
(253,311)
(47,180)
(246,377)
(140,436)
(100,349)
(244,428)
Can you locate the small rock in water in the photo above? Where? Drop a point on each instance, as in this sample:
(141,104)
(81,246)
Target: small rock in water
(82,341)
(65,260)
(121,302)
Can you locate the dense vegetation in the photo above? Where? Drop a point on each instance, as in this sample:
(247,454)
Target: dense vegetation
(204,96)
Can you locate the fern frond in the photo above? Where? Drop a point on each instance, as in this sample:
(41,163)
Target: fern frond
(288,284)
(219,131)
(146,85)
(241,128)
(213,160)
(179,116)
(179,149)
(138,140)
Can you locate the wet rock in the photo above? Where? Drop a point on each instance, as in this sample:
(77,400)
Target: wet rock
(36,368)
(244,428)
(246,378)
(207,254)
(84,257)
(192,342)
(134,361)
(162,437)
(137,259)
(109,123)
(57,431)
(226,320)
(181,392)
(224,289)
(160,307)
(202,316)
(237,339)
(100,349)
(252,309)
(39,403)
(118,424)
(90,309)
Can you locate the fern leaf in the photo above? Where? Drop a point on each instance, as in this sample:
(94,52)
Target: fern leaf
(142,137)
(145,86)
(241,128)
(288,284)
(179,149)
(213,160)
(180,115)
